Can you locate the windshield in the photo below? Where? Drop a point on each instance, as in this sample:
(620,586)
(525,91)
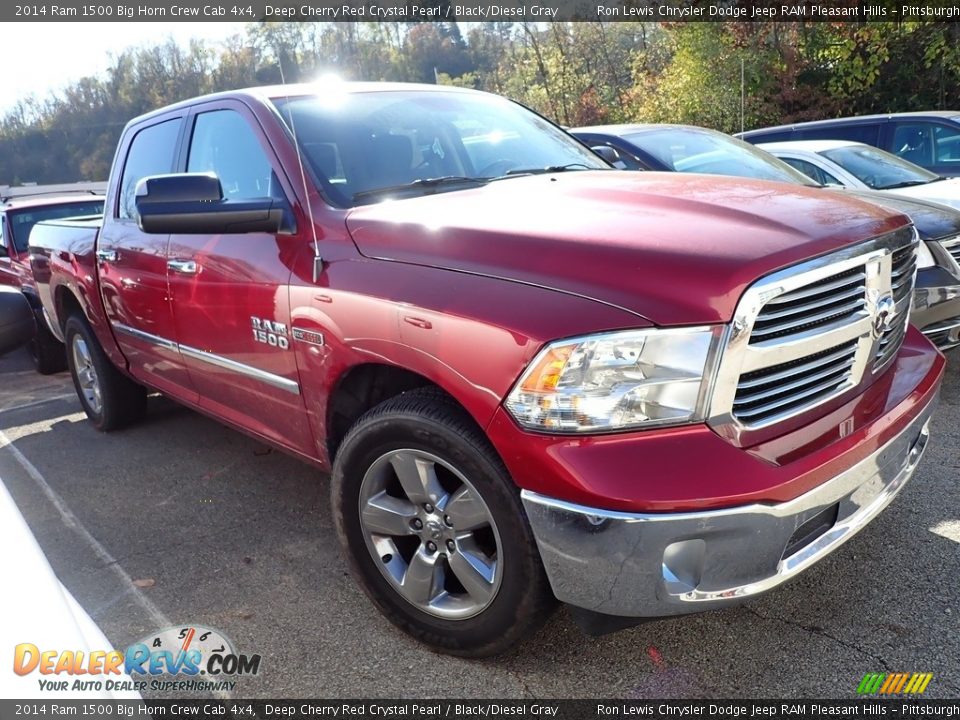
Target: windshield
(22,221)
(359,143)
(705,151)
(878,169)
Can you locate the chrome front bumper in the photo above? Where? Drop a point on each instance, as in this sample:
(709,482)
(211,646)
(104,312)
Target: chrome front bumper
(658,564)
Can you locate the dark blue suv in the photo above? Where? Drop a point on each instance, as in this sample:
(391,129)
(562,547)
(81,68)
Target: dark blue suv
(929,139)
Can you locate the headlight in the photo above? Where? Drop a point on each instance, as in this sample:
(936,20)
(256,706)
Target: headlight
(620,380)
(924,256)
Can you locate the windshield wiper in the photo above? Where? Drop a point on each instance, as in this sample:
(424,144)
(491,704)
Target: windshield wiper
(422,183)
(905,183)
(551,169)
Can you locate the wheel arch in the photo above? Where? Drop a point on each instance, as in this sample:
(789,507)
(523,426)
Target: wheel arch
(362,387)
(66,303)
(68,299)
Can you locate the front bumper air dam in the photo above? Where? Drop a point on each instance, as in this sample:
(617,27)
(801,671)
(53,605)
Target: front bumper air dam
(659,564)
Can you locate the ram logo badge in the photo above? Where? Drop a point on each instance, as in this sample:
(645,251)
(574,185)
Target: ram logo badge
(270,332)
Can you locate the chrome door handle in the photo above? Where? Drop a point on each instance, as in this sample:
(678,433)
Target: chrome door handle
(187,267)
(108,255)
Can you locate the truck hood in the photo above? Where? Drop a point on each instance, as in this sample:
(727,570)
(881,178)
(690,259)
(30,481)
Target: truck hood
(673,248)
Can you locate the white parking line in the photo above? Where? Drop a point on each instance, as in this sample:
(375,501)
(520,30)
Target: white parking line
(35,403)
(949,529)
(73,522)
(159,620)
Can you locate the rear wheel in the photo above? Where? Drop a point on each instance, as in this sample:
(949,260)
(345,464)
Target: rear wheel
(111,400)
(434,530)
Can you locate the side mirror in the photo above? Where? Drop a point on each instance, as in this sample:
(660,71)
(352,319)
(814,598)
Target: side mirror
(17,325)
(606,153)
(193,203)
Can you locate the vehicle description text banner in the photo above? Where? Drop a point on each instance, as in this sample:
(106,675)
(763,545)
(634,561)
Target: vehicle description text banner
(473,709)
(482,10)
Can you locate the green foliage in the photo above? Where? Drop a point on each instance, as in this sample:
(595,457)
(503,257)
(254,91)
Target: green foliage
(574,73)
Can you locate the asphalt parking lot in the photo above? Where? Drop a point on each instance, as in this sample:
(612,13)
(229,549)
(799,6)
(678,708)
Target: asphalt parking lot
(221,531)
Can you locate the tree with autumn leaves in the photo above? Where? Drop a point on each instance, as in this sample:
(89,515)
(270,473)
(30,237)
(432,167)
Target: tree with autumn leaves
(574,73)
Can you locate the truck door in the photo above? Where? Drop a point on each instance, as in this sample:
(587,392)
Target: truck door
(133,266)
(231,292)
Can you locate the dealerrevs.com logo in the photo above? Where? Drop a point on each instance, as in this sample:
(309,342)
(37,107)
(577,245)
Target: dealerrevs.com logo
(191,658)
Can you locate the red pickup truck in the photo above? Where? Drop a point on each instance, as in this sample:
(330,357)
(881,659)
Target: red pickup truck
(18,215)
(532,377)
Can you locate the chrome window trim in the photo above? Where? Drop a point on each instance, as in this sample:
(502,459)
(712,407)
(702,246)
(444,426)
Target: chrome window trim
(740,357)
(277,381)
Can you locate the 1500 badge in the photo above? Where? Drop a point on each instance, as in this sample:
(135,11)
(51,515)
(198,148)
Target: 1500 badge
(270,332)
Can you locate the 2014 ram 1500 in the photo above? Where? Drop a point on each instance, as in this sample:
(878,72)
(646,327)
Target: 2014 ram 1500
(532,376)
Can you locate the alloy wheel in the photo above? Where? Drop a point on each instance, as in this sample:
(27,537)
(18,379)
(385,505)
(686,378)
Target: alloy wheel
(431,534)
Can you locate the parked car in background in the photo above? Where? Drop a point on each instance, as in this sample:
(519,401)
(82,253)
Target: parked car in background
(855,165)
(686,148)
(17,217)
(40,612)
(928,139)
(38,609)
(12,192)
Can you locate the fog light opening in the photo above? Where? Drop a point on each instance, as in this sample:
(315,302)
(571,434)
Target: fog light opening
(683,565)
(810,530)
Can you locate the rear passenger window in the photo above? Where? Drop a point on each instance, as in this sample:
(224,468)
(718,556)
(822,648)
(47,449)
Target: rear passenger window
(150,153)
(868,133)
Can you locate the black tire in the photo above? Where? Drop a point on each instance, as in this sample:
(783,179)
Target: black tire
(48,354)
(430,421)
(122,401)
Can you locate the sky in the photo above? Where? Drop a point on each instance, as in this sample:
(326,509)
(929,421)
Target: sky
(42,57)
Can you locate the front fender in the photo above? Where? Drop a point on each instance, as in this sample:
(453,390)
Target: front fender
(470,335)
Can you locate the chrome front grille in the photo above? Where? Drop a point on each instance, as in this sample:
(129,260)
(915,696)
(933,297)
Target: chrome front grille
(837,297)
(903,268)
(903,274)
(805,335)
(781,388)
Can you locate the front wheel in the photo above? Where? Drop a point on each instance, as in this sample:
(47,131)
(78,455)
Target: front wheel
(110,399)
(433,528)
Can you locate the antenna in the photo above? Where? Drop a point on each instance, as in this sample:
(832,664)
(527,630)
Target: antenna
(743,95)
(317,258)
